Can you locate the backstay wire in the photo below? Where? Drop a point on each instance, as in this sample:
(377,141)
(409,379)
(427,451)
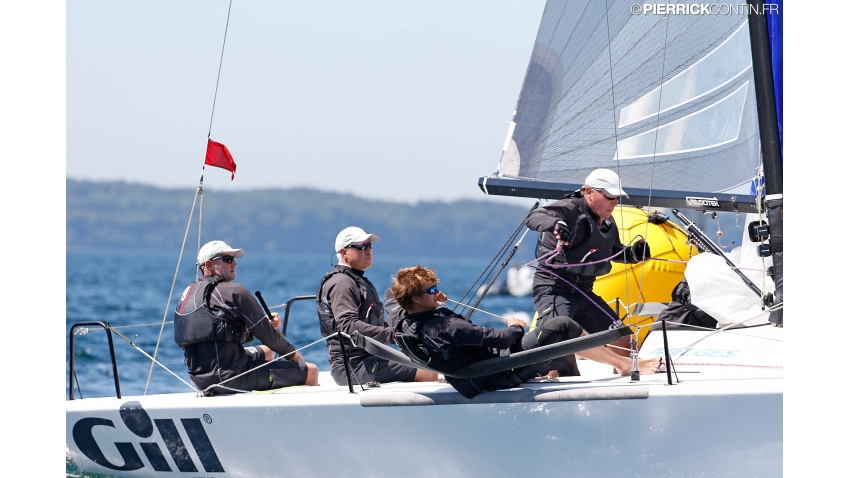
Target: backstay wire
(617,151)
(198,192)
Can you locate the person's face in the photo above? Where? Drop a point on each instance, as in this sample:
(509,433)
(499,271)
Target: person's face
(358,255)
(220,267)
(600,202)
(426,300)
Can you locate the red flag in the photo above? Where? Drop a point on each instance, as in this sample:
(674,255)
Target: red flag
(219,156)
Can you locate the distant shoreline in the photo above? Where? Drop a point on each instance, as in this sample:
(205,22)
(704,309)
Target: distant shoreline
(121,215)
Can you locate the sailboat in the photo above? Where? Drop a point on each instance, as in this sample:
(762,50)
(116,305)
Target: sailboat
(682,106)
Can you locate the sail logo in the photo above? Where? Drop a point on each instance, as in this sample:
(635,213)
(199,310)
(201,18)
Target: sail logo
(137,421)
(710,202)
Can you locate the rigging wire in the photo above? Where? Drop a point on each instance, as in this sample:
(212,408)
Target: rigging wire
(617,154)
(655,145)
(170,293)
(491,267)
(265,364)
(153,360)
(476,309)
(501,268)
(199,192)
(616,137)
(485,274)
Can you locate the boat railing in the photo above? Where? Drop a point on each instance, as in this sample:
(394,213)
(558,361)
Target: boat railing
(289,305)
(72,374)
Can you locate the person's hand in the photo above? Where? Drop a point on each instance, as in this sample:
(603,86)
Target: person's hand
(275,320)
(640,250)
(515,321)
(295,357)
(561,233)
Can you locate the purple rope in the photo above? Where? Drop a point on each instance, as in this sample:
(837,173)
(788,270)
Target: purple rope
(546,260)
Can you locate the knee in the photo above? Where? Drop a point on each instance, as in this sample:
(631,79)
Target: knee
(268,353)
(563,325)
(312,374)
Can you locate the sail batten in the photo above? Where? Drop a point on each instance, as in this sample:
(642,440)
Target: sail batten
(667,101)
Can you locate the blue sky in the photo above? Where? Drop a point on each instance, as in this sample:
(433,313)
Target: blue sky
(393,100)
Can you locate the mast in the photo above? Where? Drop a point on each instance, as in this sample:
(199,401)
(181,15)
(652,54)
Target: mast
(769,135)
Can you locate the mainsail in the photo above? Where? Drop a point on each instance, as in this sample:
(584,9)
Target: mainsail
(666,100)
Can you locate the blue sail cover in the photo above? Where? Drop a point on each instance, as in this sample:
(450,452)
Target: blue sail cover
(666,100)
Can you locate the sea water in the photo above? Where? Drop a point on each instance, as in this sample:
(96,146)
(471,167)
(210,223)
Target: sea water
(131,290)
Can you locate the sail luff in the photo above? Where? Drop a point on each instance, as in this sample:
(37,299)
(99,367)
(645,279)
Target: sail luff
(771,148)
(765,98)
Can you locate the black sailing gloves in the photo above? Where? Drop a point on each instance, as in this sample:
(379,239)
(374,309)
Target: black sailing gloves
(640,251)
(561,230)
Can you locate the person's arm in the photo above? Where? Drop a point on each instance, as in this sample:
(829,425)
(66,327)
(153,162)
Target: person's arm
(543,218)
(556,220)
(471,335)
(392,309)
(546,217)
(259,325)
(623,258)
(344,296)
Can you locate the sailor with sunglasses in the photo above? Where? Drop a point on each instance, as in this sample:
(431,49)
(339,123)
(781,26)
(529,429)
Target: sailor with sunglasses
(215,316)
(448,342)
(581,229)
(347,301)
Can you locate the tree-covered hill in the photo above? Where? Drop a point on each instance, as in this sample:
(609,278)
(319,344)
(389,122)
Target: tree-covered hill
(120,214)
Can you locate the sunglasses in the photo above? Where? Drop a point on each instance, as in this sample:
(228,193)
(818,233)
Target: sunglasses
(226,259)
(607,196)
(431,291)
(360,247)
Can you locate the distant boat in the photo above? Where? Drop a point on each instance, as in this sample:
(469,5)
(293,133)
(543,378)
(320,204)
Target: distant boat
(517,282)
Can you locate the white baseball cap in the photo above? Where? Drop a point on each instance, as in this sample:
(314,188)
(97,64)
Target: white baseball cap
(606,180)
(217,248)
(353,235)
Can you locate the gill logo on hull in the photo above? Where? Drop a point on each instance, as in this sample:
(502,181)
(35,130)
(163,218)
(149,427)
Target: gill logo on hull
(139,422)
(695,201)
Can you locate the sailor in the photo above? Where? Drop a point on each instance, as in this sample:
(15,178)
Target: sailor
(215,316)
(581,228)
(347,301)
(448,342)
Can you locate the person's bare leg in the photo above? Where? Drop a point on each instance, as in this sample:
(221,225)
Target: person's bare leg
(267,352)
(425,376)
(312,374)
(621,347)
(619,362)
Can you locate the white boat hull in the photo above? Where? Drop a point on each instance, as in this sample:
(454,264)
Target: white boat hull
(723,419)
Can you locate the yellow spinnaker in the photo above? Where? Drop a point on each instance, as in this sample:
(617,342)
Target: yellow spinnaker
(650,281)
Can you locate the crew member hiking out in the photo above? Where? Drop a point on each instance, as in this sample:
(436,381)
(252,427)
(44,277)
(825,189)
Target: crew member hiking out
(448,342)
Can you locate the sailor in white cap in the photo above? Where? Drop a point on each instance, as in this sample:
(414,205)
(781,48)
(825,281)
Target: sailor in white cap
(347,302)
(215,316)
(580,228)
